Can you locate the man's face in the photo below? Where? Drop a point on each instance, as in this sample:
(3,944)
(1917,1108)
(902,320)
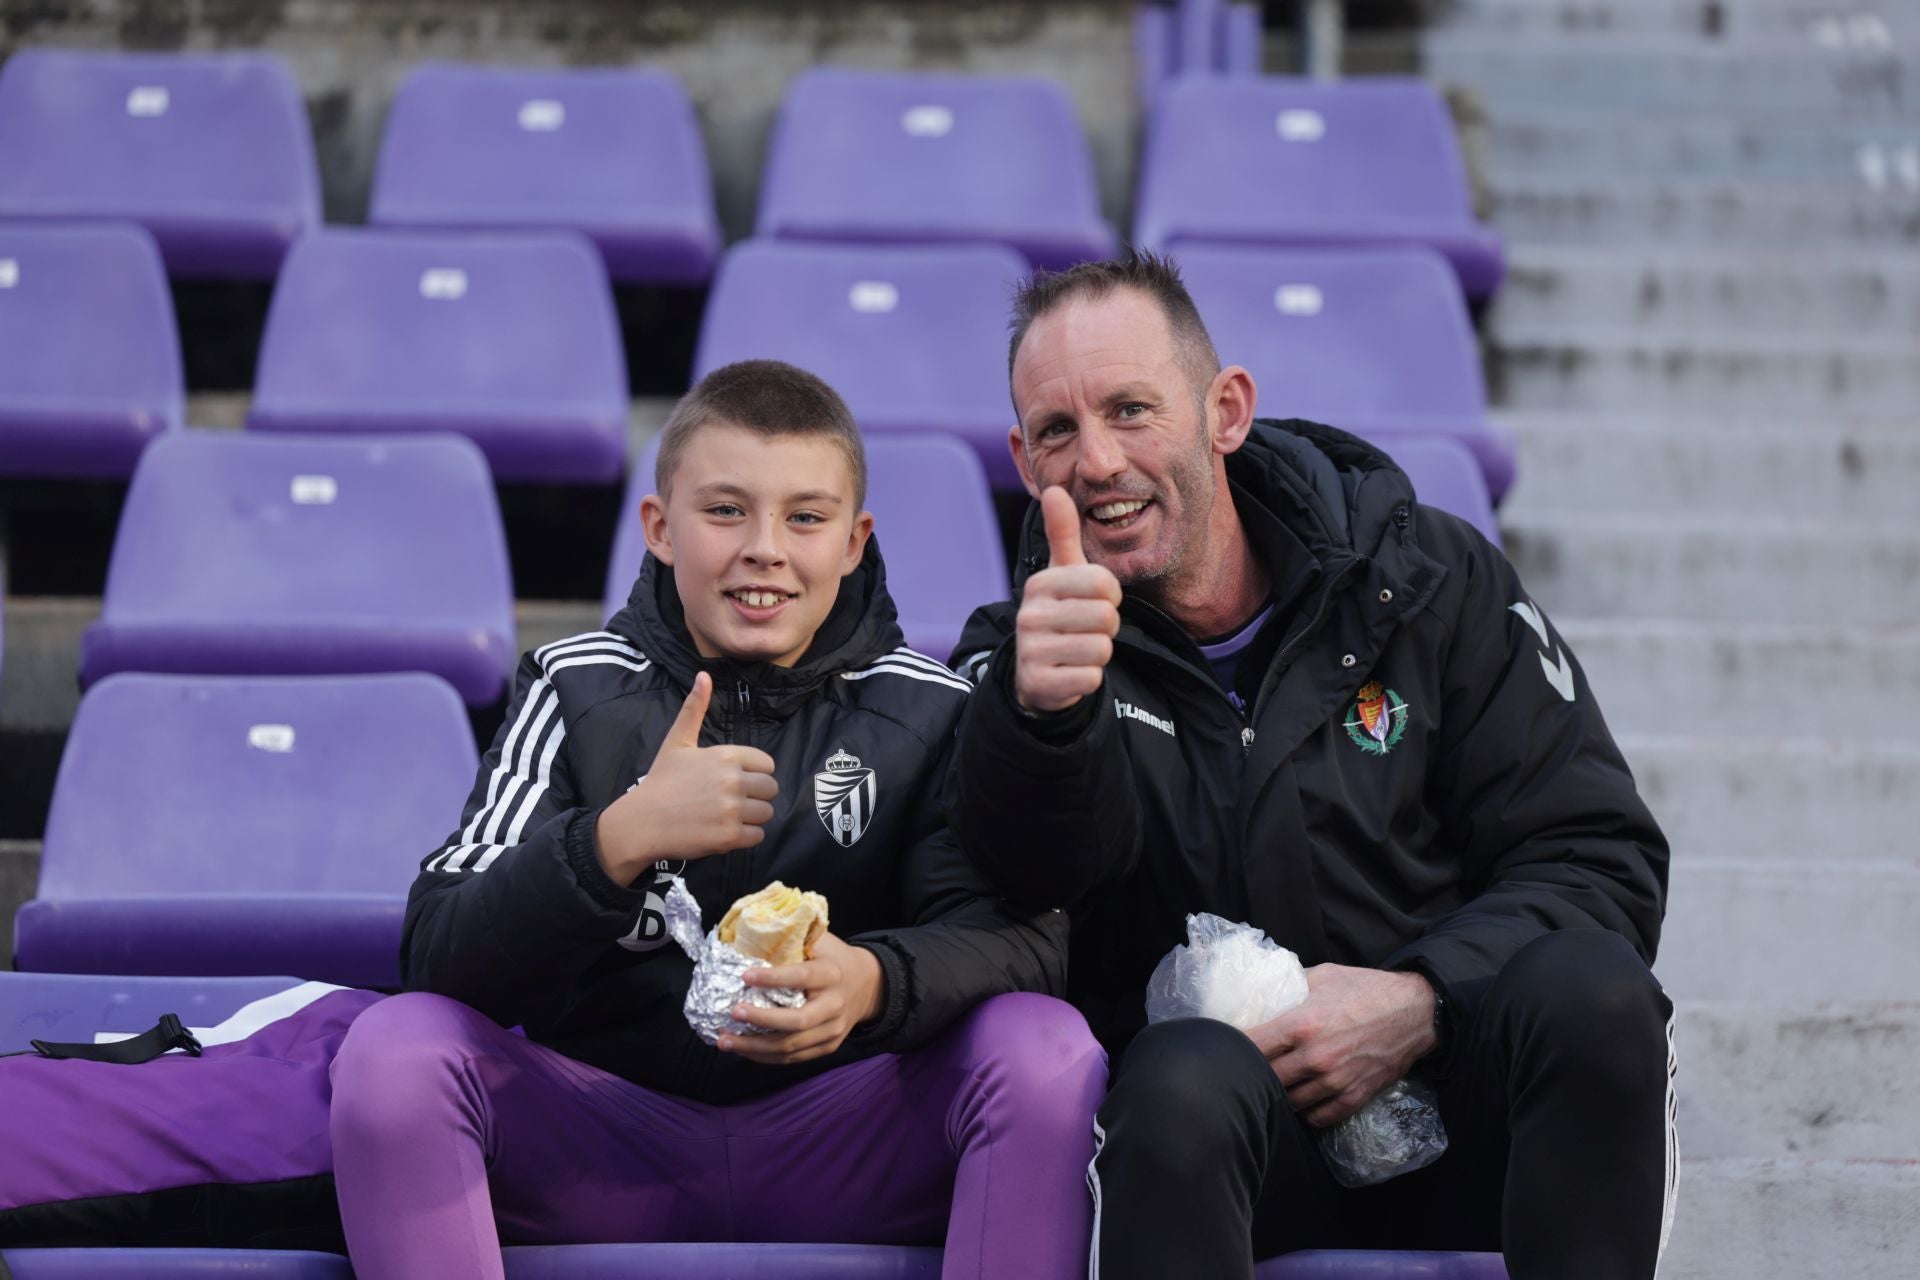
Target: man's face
(1109,413)
(759,531)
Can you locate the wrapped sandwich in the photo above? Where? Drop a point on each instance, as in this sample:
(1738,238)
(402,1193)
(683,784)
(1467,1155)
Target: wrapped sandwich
(776,926)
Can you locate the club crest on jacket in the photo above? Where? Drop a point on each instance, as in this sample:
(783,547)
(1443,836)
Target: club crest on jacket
(843,796)
(1377,718)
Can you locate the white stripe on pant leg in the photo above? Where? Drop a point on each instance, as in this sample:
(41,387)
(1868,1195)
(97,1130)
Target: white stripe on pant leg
(1673,1147)
(1093,1185)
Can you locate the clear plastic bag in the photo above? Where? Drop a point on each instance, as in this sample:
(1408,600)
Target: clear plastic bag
(1398,1132)
(1236,974)
(1230,972)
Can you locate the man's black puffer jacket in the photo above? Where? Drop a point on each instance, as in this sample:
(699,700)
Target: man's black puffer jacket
(515,916)
(1472,801)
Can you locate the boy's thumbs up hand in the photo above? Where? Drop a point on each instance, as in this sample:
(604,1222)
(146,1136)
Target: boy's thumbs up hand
(693,803)
(1069,614)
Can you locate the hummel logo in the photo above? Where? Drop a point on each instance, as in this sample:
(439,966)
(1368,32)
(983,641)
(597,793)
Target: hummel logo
(1127,711)
(1559,671)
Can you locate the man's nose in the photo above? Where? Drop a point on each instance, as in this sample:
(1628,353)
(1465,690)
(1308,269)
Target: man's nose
(1100,455)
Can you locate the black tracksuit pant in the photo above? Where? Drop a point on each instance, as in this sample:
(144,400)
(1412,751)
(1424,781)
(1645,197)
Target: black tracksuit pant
(1558,1106)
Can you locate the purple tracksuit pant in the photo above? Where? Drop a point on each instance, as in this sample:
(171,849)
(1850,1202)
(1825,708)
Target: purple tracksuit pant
(437,1124)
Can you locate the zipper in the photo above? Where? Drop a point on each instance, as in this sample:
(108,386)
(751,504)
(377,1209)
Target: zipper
(739,865)
(1285,656)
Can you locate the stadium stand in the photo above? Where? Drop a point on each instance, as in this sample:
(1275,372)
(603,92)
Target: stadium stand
(211,152)
(922,158)
(1281,161)
(244,825)
(242,554)
(77,1008)
(175,1264)
(92,356)
(1358,1264)
(508,338)
(1195,36)
(914,337)
(1376,341)
(748,1261)
(612,153)
(932,513)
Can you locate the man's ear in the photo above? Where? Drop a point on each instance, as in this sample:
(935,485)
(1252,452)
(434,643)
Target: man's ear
(653,523)
(1230,402)
(857,542)
(1017,445)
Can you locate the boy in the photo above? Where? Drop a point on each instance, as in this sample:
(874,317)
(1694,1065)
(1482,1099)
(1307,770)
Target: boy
(757,688)
(751,715)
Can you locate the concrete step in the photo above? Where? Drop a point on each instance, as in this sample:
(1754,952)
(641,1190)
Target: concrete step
(1826,24)
(1566,368)
(1798,801)
(1543,145)
(1752,680)
(1754,1219)
(19,871)
(1823,1082)
(1707,568)
(1838,471)
(1593,211)
(1741,930)
(1794,77)
(1704,290)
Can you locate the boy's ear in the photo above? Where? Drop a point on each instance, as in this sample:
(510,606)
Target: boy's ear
(857,542)
(653,522)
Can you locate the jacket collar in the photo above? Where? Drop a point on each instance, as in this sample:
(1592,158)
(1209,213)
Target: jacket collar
(860,628)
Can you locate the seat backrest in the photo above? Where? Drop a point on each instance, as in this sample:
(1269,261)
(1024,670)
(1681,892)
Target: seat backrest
(286,531)
(1445,475)
(878,156)
(72,1007)
(420,326)
(1266,159)
(87,326)
(1347,337)
(211,151)
(211,784)
(582,147)
(912,337)
(933,516)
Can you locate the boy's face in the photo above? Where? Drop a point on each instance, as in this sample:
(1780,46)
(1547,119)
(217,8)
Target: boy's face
(759,530)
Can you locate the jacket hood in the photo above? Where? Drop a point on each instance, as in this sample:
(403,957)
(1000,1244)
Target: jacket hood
(1332,490)
(861,627)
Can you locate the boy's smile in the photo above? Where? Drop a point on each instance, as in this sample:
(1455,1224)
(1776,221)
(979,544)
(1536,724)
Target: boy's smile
(759,530)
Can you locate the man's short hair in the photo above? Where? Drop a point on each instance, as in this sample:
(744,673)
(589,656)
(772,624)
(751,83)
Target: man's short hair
(1150,273)
(768,397)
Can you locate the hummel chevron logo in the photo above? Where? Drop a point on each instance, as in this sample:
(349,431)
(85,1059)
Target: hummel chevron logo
(1559,671)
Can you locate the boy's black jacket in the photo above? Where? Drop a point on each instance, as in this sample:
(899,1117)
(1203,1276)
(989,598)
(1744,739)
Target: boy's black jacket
(514,915)
(1486,808)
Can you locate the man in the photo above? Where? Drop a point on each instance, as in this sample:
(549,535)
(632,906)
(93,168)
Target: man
(1247,673)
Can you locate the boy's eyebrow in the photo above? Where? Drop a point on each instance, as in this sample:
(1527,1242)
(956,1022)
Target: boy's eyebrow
(722,489)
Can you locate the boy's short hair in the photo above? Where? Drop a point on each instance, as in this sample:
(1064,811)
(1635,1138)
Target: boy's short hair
(771,398)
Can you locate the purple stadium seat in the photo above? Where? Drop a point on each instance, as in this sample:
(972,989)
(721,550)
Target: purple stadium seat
(1445,475)
(1375,341)
(722,1262)
(895,156)
(934,520)
(914,337)
(92,358)
(613,153)
(1280,161)
(74,1007)
(255,555)
(175,1264)
(1357,1264)
(508,338)
(211,152)
(236,825)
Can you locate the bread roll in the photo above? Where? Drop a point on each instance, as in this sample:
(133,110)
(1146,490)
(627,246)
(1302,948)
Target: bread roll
(777,924)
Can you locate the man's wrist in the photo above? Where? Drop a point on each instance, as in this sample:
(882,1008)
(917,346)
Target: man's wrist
(1430,1008)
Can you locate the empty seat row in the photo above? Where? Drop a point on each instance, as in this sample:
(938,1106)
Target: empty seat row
(511,340)
(212,153)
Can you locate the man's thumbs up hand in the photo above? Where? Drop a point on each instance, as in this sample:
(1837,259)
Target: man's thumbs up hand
(693,803)
(1069,614)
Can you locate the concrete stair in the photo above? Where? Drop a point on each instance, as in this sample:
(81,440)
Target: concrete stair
(1708,350)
